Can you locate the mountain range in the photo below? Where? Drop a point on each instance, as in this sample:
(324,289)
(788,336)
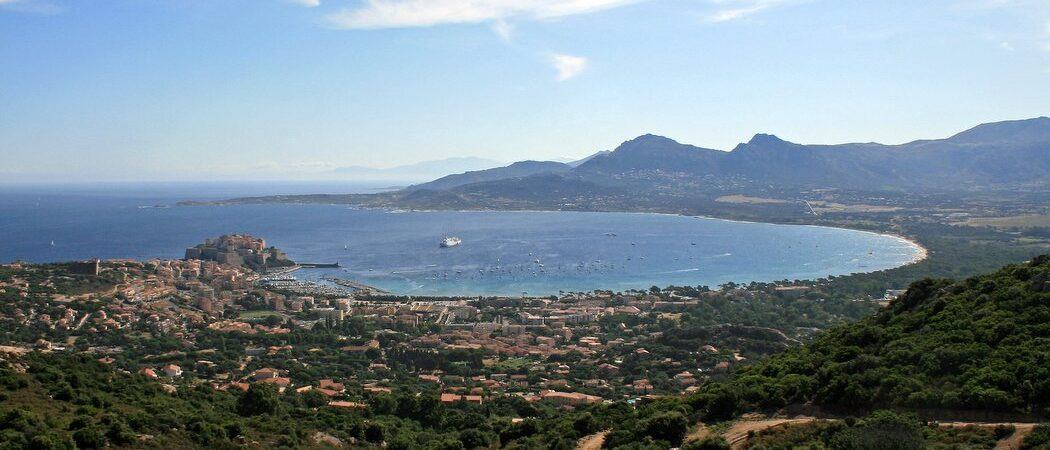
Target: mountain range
(1001,155)
(515,170)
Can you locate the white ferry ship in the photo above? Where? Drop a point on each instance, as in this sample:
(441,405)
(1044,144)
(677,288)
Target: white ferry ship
(450,241)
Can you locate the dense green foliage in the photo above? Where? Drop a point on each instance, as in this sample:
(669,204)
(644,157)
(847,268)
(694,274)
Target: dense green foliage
(1039,439)
(66,400)
(954,252)
(882,430)
(978,344)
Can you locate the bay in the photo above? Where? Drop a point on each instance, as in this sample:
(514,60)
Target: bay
(502,253)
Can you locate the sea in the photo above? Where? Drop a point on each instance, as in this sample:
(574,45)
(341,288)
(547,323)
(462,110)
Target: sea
(502,252)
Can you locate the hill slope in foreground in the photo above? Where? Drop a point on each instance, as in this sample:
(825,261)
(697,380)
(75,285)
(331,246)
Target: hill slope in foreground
(981,344)
(977,345)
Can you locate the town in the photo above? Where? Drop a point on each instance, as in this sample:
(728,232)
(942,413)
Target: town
(221,317)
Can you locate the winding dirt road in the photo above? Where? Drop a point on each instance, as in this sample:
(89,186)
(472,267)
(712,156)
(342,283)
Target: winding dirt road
(737,435)
(592,442)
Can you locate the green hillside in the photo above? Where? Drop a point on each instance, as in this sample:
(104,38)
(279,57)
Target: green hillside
(979,344)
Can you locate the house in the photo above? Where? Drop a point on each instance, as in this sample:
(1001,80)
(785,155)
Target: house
(243,387)
(570,398)
(791,291)
(265,373)
(361,348)
(281,382)
(172,370)
(430,378)
(685,378)
(328,392)
(629,310)
(377,390)
(448,397)
(330,385)
(559,383)
(348,405)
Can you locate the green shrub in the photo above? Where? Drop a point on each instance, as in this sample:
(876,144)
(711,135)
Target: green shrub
(707,443)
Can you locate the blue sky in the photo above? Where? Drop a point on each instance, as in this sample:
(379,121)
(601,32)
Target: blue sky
(206,89)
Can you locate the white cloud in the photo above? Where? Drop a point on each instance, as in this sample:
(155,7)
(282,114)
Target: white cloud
(727,10)
(374,14)
(307,3)
(568,66)
(503,29)
(1006,46)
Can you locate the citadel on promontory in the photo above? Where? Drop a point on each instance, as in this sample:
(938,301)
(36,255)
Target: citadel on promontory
(239,250)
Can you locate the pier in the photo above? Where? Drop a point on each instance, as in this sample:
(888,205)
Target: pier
(357,286)
(319,265)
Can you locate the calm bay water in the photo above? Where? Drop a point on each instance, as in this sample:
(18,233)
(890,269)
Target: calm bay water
(502,252)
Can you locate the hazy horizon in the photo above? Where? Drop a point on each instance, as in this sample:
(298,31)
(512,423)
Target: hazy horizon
(121,90)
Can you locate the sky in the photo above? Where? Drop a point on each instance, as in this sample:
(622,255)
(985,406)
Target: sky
(254,89)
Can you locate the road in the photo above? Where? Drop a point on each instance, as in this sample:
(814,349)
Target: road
(592,442)
(737,434)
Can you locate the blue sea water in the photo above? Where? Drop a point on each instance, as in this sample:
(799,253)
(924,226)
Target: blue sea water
(503,253)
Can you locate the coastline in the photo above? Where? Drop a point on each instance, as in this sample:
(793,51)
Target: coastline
(921,253)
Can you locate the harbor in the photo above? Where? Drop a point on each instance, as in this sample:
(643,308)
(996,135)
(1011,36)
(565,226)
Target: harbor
(284,279)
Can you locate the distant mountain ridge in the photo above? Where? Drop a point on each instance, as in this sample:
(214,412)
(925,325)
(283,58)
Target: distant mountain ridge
(656,173)
(1004,153)
(1010,155)
(577,162)
(1018,131)
(516,170)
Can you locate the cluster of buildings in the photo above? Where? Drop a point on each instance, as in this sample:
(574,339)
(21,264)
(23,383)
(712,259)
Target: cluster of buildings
(239,250)
(216,283)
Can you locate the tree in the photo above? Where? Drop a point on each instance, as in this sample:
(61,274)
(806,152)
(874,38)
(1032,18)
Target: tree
(374,433)
(707,443)
(668,426)
(314,399)
(882,430)
(47,442)
(718,403)
(260,399)
(474,438)
(1039,439)
(89,437)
